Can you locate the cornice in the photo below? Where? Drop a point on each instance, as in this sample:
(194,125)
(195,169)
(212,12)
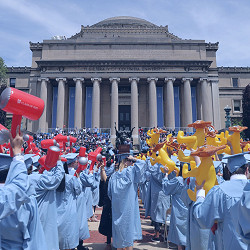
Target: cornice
(36,46)
(188,64)
(234,69)
(18,69)
(212,46)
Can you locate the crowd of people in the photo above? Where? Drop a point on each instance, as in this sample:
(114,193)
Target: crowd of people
(51,209)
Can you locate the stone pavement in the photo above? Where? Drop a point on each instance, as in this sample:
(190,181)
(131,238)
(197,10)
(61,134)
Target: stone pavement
(97,241)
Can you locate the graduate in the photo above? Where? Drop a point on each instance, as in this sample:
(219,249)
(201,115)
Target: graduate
(45,186)
(215,207)
(14,187)
(105,226)
(122,190)
(22,229)
(67,218)
(240,213)
(157,201)
(179,211)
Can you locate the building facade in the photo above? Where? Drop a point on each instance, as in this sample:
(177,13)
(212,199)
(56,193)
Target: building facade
(132,73)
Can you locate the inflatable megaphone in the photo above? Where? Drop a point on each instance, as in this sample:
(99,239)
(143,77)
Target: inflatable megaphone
(52,157)
(82,152)
(45,144)
(93,157)
(20,104)
(82,164)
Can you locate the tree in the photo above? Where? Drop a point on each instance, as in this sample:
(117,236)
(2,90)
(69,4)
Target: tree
(246,110)
(3,85)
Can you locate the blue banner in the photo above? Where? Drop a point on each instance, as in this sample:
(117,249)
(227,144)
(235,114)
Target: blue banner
(177,106)
(159,93)
(54,106)
(194,109)
(88,117)
(71,107)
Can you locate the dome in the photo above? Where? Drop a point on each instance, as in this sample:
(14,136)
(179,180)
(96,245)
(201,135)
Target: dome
(124,21)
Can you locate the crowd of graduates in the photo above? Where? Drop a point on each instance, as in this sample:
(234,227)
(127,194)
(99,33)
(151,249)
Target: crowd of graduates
(45,207)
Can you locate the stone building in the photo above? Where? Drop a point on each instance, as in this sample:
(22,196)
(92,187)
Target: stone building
(131,72)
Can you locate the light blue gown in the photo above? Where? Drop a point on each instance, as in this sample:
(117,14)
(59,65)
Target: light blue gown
(241,215)
(85,180)
(95,188)
(216,208)
(122,191)
(197,238)
(45,186)
(179,212)
(157,202)
(23,229)
(67,218)
(14,193)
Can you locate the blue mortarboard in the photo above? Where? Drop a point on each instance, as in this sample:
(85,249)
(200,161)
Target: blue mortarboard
(35,160)
(235,161)
(187,152)
(217,166)
(5,161)
(120,157)
(28,160)
(71,157)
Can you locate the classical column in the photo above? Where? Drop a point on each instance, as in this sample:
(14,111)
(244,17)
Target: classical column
(169,113)
(60,102)
(216,104)
(134,109)
(206,100)
(152,102)
(187,102)
(96,107)
(78,102)
(43,121)
(114,107)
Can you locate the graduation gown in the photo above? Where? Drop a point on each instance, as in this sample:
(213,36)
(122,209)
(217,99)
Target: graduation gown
(95,188)
(216,207)
(45,186)
(197,238)
(179,212)
(241,215)
(15,191)
(122,190)
(85,181)
(67,218)
(157,201)
(23,229)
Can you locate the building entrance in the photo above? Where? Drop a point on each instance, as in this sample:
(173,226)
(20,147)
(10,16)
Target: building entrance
(124,117)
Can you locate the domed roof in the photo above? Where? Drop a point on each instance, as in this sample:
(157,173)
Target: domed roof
(124,21)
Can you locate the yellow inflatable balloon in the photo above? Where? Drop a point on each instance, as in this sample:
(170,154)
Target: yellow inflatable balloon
(235,138)
(154,136)
(163,157)
(205,171)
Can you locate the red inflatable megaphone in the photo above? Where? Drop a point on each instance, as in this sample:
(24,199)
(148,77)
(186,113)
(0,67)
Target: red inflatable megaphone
(28,139)
(93,157)
(82,164)
(52,157)
(41,161)
(45,144)
(82,152)
(20,104)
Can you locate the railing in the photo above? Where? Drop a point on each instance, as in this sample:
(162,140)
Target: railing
(87,130)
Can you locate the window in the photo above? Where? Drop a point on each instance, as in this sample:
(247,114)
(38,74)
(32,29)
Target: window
(237,105)
(12,82)
(235,82)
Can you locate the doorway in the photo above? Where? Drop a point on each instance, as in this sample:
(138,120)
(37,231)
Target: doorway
(124,117)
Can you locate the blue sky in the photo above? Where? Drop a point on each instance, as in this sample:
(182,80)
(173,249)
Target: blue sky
(225,21)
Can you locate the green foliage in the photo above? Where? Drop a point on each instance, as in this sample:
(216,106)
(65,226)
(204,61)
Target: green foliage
(3,72)
(246,110)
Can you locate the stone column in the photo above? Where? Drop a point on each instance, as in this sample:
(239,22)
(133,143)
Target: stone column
(114,107)
(216,104)
(78,102)
(134,109)
(206,100)
(152,102)
(60,102)
(96,107)
(43,121)
(187,102)
(169,112)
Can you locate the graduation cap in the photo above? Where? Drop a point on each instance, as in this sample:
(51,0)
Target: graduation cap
(71,157)
(120,157)
(187,152)
(28,160)
(235,161)
(175,159)
(5,161)
(217,166)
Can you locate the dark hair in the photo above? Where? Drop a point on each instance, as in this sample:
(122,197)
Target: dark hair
(3,175)
(227,174)
(61,187)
